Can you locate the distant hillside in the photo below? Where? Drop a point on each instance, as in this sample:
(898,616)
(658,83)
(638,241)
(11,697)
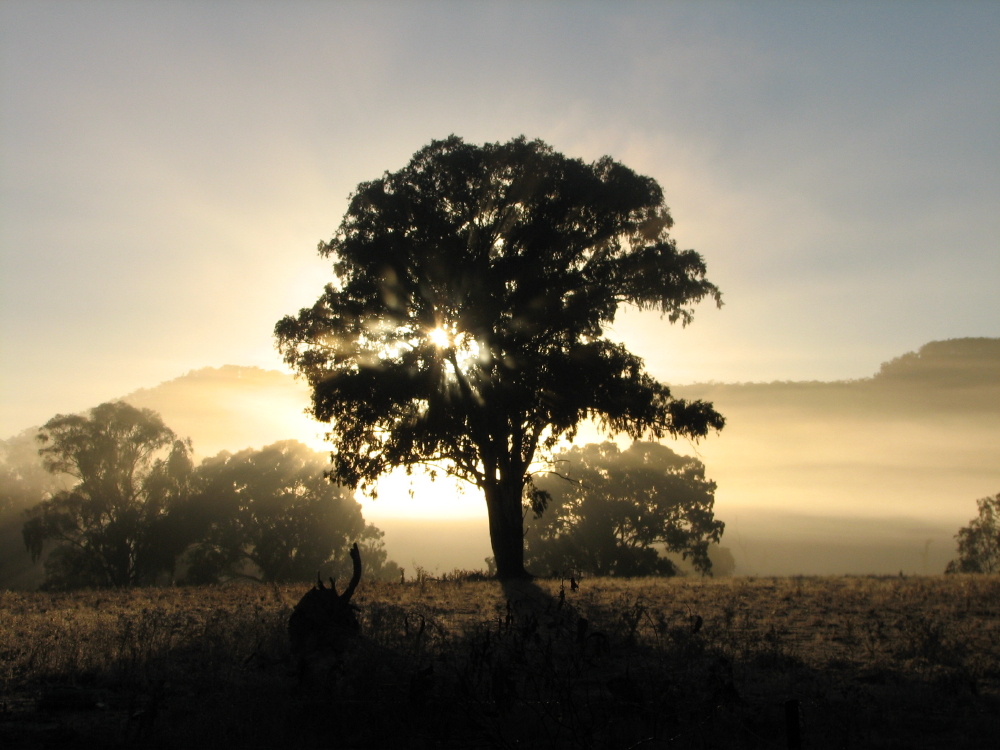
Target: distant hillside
(954,363)
(942,378)
(231,408)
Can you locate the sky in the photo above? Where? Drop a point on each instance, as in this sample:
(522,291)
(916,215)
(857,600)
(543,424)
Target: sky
(168,168)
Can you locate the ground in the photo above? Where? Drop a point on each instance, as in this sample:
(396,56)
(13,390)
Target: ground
(879,662)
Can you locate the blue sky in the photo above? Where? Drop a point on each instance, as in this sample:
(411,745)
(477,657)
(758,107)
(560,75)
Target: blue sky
(167,169)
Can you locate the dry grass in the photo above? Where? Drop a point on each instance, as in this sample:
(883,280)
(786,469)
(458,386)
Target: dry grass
(873,662)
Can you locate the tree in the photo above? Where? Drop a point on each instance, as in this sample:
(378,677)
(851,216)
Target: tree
(24,481)
(979,542)
(465,324)
(272,509)
(607,510)
(113,527)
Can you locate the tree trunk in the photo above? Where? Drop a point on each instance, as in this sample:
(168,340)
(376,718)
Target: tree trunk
(503,502)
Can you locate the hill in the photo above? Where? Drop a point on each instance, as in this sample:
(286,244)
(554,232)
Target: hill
(941,378)
(232,407)
(952,364)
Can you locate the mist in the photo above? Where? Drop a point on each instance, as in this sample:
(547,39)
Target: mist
(872,476)
(814,478)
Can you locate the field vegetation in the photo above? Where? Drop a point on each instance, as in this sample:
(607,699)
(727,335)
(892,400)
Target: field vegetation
(866,662)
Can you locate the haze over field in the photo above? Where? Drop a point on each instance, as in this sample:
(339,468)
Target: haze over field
(868,476)
(169,167)
(842,477)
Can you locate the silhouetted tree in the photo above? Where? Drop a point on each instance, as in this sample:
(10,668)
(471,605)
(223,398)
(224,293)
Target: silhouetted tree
(607,510)
(271,515)
(465,323)
(113,527)
(979,542)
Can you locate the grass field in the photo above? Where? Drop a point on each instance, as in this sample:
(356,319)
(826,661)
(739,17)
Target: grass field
(658,663)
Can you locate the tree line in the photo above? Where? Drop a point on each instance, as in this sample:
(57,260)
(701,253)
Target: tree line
(125,505)
(129,507)
(116,500)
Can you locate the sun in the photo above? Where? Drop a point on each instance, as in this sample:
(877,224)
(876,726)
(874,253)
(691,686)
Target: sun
(440,338)
(457,348)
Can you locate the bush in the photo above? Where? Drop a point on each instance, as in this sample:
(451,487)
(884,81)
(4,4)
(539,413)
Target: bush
(979,542)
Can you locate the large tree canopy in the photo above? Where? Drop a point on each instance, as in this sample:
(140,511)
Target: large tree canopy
(113,528)
(607,512)
(465,322)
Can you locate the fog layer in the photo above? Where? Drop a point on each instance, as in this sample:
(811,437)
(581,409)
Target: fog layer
(866,476)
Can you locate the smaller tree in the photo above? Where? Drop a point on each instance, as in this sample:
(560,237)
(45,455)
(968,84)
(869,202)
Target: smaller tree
(979,542)
(272,515)
(608,511)
(113,527)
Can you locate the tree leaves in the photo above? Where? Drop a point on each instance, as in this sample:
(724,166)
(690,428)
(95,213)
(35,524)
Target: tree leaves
(609,510)
(528,254)
(112,527)
(523,256)
(979,542)
(271,513)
